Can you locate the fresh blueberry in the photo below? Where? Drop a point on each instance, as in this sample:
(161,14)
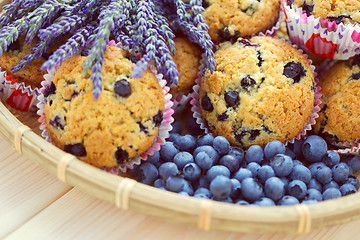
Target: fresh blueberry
(340,172)
(297,162)
(331,184)
(230,162)
(183,158)
(191,172)
(255,153)
(253,167)
(316,167)
(264,201)
(184,193)
(314,148)
(176,184)
(203,191)
(168,151)
(354,181)
(147,173)
(193,127)
(206,104)
(185,143)
(76,149)
(221,145)
(153,158)
(288,200)
(302,173)
(313,184)
(324,175)
(236,191)
(242,173)
(285,181)
(354,163)
(331,159)
(282,165)
(265,172)
(232,98)
(238,153)
(172,137)
(221,187)
(251,189)
(205,156)
(122,88)
(313,194)
(202,183)
(242,202)
(331,193)
(168,169)
(227,200)
(272,148)
(217,170)
(159,183)
(274,188)
(297,189)
(176,127)
(296,147)
(205,139)
(347,189)
(309,201)
(188,188)
(290,153)
(294,71)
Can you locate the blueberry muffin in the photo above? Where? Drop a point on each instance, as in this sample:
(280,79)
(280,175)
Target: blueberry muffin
(340,11)
(261,90)
(123,123)
(187,58)
(31,74)
(339,118)
(230,19)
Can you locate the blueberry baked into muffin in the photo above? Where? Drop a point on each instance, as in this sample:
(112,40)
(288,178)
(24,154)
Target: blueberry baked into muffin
(340,11)
(122,124)
(230,19)
(339,118)
(262,90)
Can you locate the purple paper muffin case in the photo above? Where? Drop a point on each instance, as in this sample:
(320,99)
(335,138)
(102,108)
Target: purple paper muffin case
(180,102)
(17,95)
(322,38)
(195,102)
(163,133)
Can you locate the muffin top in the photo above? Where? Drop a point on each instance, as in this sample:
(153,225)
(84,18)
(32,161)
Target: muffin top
(187,58)
(340,11)
(30,74)
(261,90)
(339,119)
(121,124)
(230,19)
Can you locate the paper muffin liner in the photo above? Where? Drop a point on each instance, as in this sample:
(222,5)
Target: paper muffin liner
(180,101)
(164,128)
(271,32)
(195,102)
(351,150)
(322,38)
(17,95)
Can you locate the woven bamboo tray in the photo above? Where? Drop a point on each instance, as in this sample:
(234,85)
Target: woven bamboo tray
(126,193)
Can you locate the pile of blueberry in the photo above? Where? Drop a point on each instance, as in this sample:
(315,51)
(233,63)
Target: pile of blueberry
(208,167)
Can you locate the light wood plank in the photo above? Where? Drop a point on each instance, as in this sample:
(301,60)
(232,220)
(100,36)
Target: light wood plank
(77,215)
(25,189)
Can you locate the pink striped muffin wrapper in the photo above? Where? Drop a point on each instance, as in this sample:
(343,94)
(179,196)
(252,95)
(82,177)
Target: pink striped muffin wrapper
(17,95)
(195,102)
(322,38)
(180,102)
(163,133)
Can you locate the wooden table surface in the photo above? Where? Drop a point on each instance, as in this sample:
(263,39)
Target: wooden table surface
(36,205)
